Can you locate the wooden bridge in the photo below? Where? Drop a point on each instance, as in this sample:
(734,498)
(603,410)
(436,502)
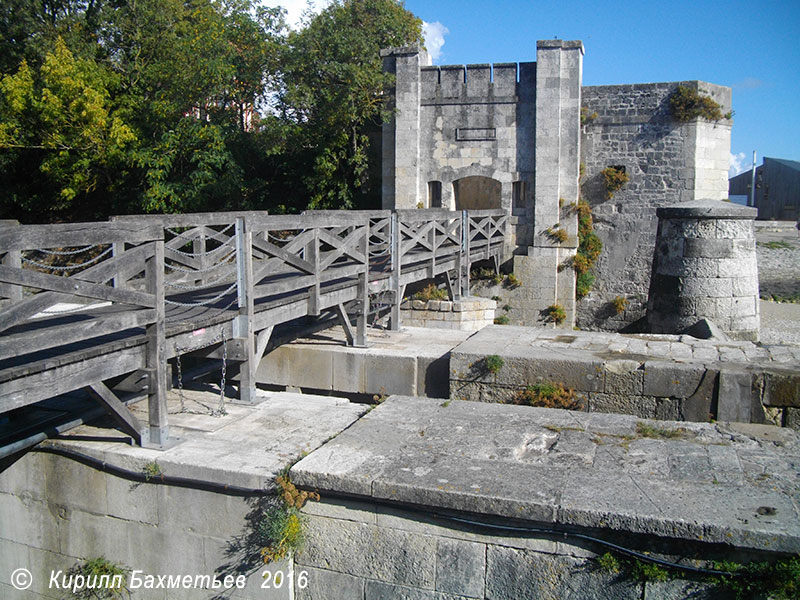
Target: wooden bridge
(104,306)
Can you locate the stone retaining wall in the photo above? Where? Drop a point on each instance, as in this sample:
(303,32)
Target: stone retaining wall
(363,551)
(58,513)
(650,376)
(468,314)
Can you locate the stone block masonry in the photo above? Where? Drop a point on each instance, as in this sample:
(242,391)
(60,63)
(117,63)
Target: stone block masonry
(704,267)
(468,314)
(667,162)
(651,376)
(410,494)
(58,512)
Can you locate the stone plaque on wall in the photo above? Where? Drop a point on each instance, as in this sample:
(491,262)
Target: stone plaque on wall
(473,134)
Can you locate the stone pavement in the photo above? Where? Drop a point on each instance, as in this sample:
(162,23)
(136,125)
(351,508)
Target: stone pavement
(247,447)
(778,262)
(733,484)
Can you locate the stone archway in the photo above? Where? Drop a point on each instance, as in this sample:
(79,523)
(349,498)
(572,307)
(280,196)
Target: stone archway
(476,192)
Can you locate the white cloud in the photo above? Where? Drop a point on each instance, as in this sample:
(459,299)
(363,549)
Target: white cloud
(738,164)
(749,83)
(434,38)
(296,8)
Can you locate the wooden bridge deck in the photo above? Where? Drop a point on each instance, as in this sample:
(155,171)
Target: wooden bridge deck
(147,289)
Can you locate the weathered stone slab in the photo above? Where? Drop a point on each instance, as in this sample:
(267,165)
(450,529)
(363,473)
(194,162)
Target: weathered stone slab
(734,399)
(513,574)
(670,479)
(369,551)
(323,584)
(646,375)
(460,567)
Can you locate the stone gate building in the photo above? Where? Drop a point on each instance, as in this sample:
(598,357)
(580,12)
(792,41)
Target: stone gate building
(510,135)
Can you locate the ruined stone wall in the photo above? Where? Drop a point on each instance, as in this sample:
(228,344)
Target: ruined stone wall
(666,161)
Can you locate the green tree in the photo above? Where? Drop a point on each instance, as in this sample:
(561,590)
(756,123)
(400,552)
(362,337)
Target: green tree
(334,92)
(63,114)
(110,106)
(178,83)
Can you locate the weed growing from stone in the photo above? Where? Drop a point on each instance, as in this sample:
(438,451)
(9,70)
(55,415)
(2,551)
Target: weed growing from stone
(430,292)
(620,303)
(284,525)
(609,563)
(589,248)
(649,431)
(548,395)
(512,281)
(100,579)
(502,320)
(686,104)
(792,299)
(493,363)
(777,245)
(638,570)
(380,397)
(586,116)
(557,234)
(486,274)
(778,581)
(152,470)
(555,314)
(646,572)
(615,178)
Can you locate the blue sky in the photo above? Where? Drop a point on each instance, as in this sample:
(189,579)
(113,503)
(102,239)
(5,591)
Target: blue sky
(753,47)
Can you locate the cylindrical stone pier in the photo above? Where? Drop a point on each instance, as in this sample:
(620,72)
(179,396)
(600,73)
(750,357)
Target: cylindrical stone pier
(704,267)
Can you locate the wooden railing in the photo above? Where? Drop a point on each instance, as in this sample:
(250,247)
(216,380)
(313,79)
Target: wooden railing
(79,272)
(142,289)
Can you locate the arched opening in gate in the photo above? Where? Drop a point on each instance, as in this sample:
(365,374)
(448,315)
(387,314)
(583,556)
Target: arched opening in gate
(476,193)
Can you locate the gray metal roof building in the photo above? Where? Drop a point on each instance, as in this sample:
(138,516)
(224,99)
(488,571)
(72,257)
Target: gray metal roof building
(777,189)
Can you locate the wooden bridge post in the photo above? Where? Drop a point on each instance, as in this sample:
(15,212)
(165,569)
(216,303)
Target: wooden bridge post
(199,249)
(158,434)
(432,242)
(465,253)
(396,246)
(312,256)
(363,290)
(243,324)
(117,249)
(13,259)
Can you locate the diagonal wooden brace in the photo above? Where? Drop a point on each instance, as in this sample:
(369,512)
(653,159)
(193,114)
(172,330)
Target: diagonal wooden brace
(129,424)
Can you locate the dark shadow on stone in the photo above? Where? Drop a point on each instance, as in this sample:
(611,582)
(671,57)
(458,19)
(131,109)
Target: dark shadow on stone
(638,326)
(243,553)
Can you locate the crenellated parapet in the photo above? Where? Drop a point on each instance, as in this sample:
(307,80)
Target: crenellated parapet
(499,82)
